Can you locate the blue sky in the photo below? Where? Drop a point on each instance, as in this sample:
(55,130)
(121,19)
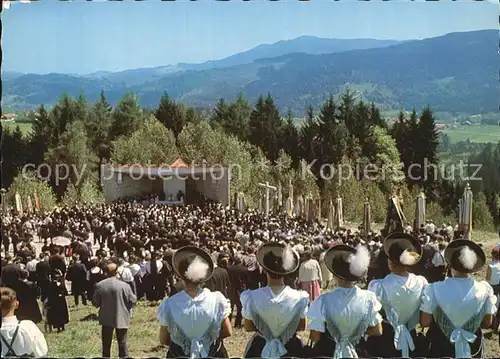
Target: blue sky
(83,37)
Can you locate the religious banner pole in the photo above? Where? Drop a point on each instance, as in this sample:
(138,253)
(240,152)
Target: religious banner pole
(419,212)
(29,205)
(5,207)
(242,203)
(267,188)
(306,208)
(19,203)
(367,219)
(318,214)
(331,215)
(37,203)
(460,213)
(467,212)
(300,206)
(280,198)
(235,202)
(339,215)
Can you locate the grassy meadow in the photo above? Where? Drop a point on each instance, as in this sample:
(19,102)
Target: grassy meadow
(475,133)
(82,337)
(24,126)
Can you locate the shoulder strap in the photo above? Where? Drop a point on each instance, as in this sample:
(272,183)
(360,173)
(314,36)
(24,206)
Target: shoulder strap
(9,346)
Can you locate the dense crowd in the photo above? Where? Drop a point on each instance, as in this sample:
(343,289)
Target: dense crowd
(155,251)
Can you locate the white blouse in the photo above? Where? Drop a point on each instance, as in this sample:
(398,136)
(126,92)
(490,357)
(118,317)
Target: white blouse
(310,271)
(275,309)
(346,313)
(194,323)
(29,340)
(460,300)
(276,316)
(400,297)
(495,272)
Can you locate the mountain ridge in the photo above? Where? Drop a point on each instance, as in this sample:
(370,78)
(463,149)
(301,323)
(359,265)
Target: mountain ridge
(453,72)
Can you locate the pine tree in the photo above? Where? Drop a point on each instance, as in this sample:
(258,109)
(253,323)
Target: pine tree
(220,115)
(63,113)
(376,118)
(14,154)
(43,131)
(426,150)
(361,127)
(290,139)
(171,114)
(192,116)
(265,127)
(309,136)
(75,153)
(239,117)
(126,117)
(98,127)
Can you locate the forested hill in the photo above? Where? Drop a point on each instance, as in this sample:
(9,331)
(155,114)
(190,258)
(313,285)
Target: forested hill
(456,72)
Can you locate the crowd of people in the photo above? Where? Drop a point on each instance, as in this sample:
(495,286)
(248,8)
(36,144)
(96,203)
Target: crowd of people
(223,269)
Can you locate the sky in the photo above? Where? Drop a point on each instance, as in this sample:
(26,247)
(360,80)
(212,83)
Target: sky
(81,37)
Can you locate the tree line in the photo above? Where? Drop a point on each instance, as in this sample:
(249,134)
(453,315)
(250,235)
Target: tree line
(267,144)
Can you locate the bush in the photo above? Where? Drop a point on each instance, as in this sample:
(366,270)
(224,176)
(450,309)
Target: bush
(26,186)
(86,194)
(481,215)
(152,143)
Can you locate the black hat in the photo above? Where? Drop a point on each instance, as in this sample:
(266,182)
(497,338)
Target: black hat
(184,257)
(398,243)
(348,263)
(277,258)
(465,256)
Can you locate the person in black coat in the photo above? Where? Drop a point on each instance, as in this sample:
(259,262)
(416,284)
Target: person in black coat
(43,273)
(27,294)
(239,277)
(77,275)
(96,274)
(220,281)
(11,272)
(57,307)
(57,262)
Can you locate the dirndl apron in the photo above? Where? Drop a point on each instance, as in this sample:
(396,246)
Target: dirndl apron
(265,344)
(333,344)
(383,346)
(217,350)
(442,330)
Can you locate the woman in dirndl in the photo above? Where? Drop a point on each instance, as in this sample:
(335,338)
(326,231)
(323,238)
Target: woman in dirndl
(457,308)
(493,277)
(194,322)
(310,276)
(340,319)
(275,312)
(400,294)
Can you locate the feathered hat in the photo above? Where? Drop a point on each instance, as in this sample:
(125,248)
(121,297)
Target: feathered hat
(465,256)
(278,258)
(403,249)
(348,263)
(193,264)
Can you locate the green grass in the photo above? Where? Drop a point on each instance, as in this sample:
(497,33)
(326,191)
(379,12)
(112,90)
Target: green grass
(82,338)
(475,133)
(24,126)
(453,158)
